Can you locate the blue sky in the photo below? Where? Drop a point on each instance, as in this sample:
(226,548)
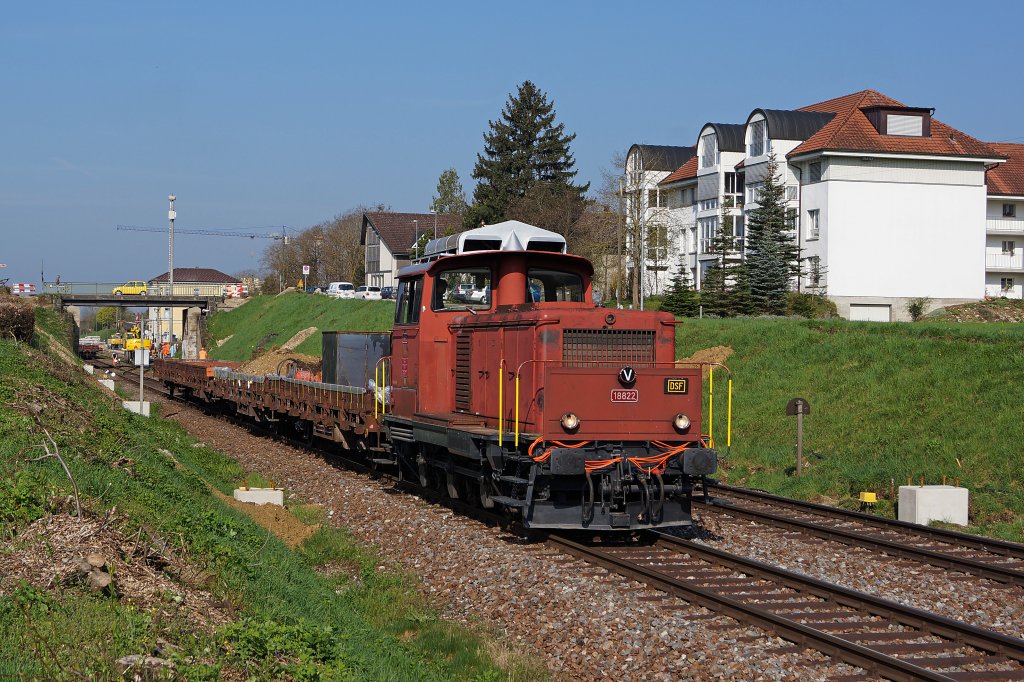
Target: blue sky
(259,114)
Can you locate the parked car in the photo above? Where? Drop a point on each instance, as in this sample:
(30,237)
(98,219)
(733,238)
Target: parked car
(387,293)
(135,287)
(341,290)
(462,292)
(368,293)
(480,295)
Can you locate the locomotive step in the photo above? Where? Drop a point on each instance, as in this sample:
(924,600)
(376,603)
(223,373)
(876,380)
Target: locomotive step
(509,501)
(514,479)
(378,460)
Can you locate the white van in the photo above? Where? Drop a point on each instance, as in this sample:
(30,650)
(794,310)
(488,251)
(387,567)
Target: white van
(368,293)
(341,290)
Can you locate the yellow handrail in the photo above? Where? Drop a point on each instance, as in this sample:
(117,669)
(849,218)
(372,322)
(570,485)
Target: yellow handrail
(711,406)
(501,397)
(728,418)
(517,409)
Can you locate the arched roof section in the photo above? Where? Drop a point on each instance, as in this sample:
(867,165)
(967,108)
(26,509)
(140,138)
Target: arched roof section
(730,135)
(662,157)
(792,125)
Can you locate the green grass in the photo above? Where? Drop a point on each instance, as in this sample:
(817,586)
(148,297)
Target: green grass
(298,622)
(269,321)
(889,401)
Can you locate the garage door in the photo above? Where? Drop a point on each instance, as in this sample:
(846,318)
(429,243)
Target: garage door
(870,313)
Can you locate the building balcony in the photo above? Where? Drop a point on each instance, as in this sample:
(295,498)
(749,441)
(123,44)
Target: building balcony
(1004,262)
(1004,226)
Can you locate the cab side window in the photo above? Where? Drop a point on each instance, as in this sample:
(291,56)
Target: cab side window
(409,301)
(462,289)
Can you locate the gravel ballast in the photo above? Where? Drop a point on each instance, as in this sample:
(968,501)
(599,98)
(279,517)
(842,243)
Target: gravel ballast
(583,622)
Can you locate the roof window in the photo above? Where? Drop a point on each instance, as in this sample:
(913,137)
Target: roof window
(901,121)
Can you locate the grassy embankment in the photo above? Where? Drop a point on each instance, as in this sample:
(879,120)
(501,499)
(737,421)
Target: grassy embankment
(269,321)
(889,401)
(293,619)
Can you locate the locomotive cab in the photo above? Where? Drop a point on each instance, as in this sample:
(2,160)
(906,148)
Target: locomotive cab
(508,386)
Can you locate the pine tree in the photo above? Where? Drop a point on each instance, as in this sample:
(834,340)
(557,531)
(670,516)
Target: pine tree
(680,299)
(770,251)
(451,198)
(522,148)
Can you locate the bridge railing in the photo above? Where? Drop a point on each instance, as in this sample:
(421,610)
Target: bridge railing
(107,288)
(80,287)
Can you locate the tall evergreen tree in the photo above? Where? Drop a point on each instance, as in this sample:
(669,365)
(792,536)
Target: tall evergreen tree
(524,147)
(451,198)
(680,299)
(770,250)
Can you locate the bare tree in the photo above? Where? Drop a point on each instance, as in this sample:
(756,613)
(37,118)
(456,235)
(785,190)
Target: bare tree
(330,248)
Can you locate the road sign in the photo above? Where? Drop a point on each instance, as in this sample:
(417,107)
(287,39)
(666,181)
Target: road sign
(797,406)
(305,269)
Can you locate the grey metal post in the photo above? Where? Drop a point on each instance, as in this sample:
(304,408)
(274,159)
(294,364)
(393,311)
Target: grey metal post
(171,215)
(799,442)
(141,355)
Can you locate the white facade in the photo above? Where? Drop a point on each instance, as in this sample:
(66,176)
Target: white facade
(874,229)
(381,266)
(1004,247)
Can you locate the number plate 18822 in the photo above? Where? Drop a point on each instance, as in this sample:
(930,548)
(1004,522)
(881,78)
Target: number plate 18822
(625,395)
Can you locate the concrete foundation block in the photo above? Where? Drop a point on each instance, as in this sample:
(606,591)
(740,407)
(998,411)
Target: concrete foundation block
(109,383)
(926,503)
(261,495)
(133,406)
(89,369)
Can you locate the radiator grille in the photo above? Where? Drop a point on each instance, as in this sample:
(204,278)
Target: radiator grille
(607,347)
(463,351)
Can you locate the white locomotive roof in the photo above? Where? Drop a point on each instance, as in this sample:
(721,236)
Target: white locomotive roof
(510,235)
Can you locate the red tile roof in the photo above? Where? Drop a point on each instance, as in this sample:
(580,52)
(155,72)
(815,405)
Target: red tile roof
(850,130)
(685,172)
(1007,178)
(398,230)
(198,276)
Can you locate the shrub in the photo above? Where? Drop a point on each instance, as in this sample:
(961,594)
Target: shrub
(811,306)
(916,307)
(17,319)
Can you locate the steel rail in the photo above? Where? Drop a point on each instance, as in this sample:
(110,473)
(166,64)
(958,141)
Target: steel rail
(983,569)
(994,545)
(959,634)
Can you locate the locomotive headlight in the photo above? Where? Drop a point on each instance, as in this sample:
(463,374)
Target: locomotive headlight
(681,422)
(569,421)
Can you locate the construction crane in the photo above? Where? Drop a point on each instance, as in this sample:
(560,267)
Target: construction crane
(282,235)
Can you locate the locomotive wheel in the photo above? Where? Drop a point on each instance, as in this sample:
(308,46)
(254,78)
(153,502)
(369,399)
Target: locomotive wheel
(453,486)
(424,470)
(486,501)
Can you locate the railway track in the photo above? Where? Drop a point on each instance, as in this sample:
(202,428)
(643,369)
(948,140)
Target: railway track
(988,558)
(884,638)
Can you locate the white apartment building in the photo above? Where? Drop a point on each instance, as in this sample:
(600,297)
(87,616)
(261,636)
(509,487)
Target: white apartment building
(1004,225)
(888,203)
(645,202)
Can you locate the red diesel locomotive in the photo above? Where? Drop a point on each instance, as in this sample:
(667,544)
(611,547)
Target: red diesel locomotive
(505,385)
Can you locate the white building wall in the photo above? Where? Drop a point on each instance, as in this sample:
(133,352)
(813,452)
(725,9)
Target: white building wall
(901,240)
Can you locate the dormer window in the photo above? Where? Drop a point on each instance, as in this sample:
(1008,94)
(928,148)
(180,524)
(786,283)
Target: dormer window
(757,138)
(900,121)
(709,150)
